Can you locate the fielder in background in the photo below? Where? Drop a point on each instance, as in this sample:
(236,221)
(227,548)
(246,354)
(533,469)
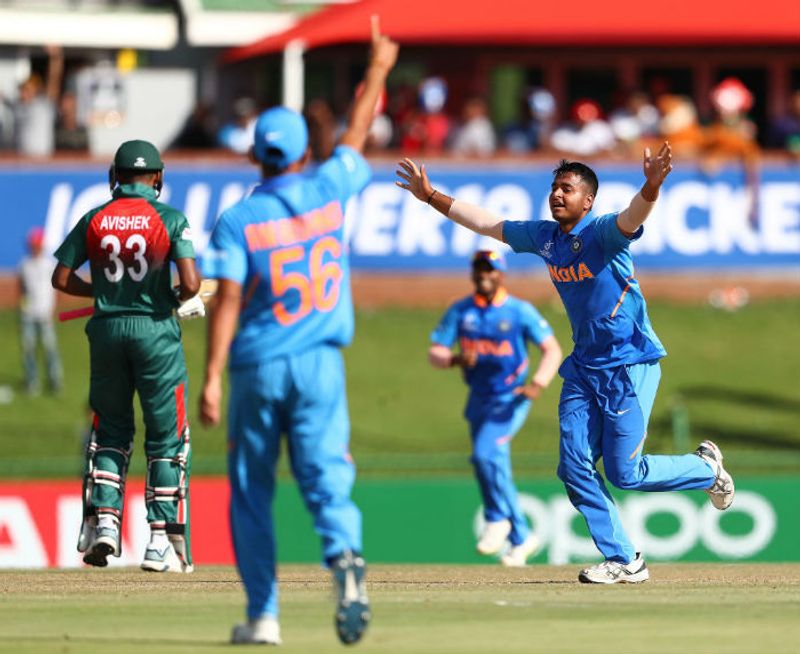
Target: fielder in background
(284,293)
(493,330)
(36,304)
(611,376)
(135,345)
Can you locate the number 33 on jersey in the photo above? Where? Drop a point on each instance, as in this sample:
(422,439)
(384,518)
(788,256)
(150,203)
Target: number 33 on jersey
(129,243)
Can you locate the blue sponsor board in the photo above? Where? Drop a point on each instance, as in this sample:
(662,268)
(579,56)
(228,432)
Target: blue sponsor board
(700,222)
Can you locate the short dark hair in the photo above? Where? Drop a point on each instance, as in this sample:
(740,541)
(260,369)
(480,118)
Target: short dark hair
(581,170)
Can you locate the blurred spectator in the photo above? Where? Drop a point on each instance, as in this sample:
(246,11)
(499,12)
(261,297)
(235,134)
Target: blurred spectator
(427,127)
(37,300)
(35,108)
(70,134)
(679,124)
(732,133)
(197,132)
(636,120)
(475,136)
(238,135)
(587,133)
(534,132)
(785,131)
(322,129)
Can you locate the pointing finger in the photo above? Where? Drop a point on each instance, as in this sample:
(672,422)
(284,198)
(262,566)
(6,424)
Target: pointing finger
(375,26)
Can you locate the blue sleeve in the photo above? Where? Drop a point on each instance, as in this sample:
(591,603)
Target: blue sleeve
(346,172)
(535,328)
(522,235)
(226,254)
(446,331)
(609,235)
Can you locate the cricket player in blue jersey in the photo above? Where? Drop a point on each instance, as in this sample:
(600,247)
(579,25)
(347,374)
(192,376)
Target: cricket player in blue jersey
(612,374)
(283,308)
(492,330)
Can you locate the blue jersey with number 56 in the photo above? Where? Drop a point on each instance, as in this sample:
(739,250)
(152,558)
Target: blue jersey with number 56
(284,244)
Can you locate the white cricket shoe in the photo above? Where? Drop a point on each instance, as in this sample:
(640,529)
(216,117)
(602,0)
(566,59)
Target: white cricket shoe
(163,559)
(517,555)
(614,572)
(493,537)
(721,491)
(105,544)
(264,631)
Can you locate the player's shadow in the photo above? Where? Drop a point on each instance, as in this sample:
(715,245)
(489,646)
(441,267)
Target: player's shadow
(744,434)
(738,396)
(154,643)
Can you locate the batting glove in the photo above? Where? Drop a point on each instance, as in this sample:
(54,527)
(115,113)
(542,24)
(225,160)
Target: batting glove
(191,308)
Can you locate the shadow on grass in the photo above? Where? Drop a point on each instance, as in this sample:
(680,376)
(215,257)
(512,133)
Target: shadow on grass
(754,399)
(116,641)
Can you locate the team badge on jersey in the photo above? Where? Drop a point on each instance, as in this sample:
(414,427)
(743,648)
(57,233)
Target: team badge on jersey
(576,244)
(504,325)
(469,322)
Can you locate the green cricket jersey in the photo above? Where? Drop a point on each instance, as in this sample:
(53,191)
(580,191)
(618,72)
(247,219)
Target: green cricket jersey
(129,243)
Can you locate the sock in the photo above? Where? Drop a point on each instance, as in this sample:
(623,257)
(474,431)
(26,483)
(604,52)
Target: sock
(158,538)
(106,521)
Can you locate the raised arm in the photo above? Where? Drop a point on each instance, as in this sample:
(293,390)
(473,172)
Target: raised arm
(383,56)
(656,170)
(414,179)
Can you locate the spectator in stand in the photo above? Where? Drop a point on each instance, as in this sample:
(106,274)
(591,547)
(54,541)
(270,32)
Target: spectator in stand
(197,132)
(427,128)
(785,131)
(322,129)
(475,136)
(587,134)
(635,121)
(679,124)
(37,300)
(35,108)
(238,135)
(534,132)
(732,133)
(70,134)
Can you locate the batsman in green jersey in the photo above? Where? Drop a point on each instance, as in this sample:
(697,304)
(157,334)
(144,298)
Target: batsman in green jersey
(135,345)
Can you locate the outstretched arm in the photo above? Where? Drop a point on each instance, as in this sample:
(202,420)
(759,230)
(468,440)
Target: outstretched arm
(382,58)
(656,168)
(414,179)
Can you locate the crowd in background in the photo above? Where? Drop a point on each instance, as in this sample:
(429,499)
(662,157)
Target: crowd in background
(46,117)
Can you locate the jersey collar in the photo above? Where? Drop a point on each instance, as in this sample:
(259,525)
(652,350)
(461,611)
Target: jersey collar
(579,227)
(279,181)
(498,300)
(137,190)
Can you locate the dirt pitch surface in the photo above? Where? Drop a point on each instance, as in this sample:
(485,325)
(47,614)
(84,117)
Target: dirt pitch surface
(699,608)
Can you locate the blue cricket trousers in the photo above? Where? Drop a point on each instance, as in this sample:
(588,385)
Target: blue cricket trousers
(604,413)
(302,396)
(493,423)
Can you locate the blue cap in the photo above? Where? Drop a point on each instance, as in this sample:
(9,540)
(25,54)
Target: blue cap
(281,137)
(492,257)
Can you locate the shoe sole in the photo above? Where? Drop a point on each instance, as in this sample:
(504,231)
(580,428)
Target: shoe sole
(711,445)
(352,619)
(352,615)
(98,555)
(638,578)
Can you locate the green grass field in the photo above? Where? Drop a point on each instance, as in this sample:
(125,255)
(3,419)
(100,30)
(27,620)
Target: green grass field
(703,609)
(734,373)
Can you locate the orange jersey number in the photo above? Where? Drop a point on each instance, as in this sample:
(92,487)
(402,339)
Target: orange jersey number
(320,290)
